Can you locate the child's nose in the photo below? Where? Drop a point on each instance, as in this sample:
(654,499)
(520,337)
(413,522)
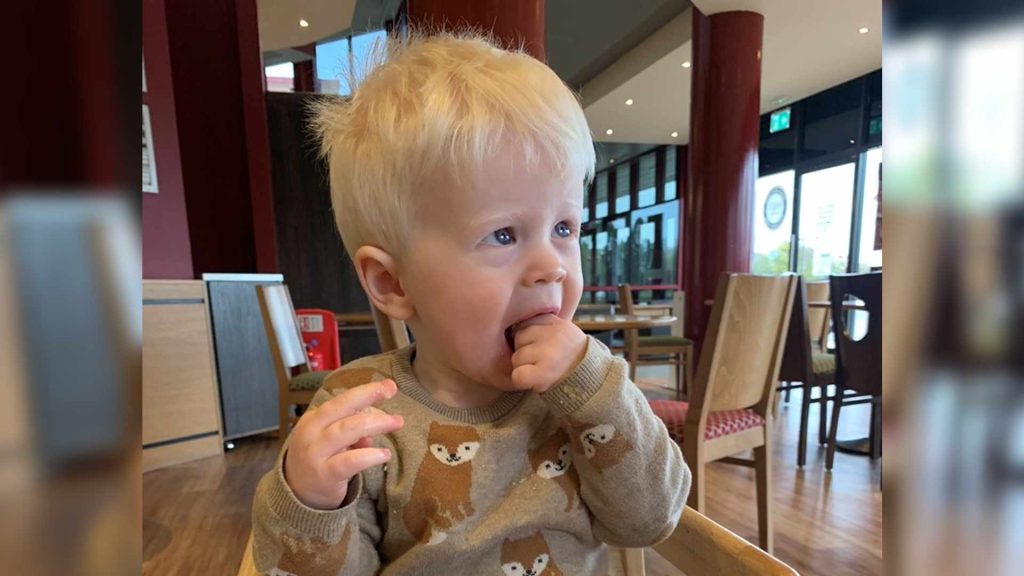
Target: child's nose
(545,266)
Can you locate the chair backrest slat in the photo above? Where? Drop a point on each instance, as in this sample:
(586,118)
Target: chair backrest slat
(743,348)
(796,358)
(277,302)
(818,318)
(630,336)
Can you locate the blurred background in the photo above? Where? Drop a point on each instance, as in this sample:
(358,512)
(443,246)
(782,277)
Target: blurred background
(70,297)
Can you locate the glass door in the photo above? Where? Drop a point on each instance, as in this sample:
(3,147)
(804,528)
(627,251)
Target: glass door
(825,217)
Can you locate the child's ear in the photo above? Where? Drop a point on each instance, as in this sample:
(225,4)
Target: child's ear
(378,273)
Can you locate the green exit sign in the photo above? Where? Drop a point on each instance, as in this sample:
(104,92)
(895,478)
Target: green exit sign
(779,121)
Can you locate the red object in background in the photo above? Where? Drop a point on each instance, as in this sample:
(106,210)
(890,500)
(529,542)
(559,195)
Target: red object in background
(320,333)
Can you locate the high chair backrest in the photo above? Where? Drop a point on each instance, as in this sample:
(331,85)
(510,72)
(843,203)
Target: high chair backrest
(391,334)
(282,327)
(743,345)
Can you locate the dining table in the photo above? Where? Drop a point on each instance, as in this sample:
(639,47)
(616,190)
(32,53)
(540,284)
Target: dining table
(606,322)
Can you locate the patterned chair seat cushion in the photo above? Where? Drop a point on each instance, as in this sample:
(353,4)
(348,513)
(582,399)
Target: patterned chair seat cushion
(719,424)
(664,341)
(308,381)
(823,363)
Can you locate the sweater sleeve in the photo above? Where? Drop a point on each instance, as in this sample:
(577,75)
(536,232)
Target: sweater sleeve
(632,475)
(292,538)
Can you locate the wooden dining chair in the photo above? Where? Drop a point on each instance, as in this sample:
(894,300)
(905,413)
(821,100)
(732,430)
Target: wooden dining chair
(674,350)
(296,383)
(805,366)
(819,320)
(858,362)
(697,547)
(730,404)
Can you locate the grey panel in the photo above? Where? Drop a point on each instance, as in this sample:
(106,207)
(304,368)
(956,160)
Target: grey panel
(248,385)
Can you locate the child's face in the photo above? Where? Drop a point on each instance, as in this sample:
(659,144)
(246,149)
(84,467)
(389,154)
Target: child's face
(483,258)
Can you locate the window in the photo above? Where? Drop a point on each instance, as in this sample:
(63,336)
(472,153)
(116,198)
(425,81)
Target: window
(280,77)
(870,244)
(831,120)
(602,259)
(622,188)
(670,172)
(826,212)
(336,59)
(585,216)
(601,202)
(646,196)
(332,67)
(773,223)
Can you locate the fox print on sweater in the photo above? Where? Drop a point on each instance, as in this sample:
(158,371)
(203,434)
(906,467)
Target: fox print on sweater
(535,484)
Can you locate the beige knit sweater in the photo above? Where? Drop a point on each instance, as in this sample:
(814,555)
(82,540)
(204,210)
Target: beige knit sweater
(532,485)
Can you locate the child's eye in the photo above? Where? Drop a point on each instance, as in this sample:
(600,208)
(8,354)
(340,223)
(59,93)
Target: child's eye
(563,230)
(502,237)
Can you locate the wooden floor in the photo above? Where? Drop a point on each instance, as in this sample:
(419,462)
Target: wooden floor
(196,515)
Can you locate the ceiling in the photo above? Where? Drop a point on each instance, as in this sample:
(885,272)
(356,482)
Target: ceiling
(612,51)
(808,46)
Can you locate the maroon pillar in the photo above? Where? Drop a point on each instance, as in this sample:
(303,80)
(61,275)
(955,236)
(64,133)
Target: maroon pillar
(724,118)
(305,78)
(513,23)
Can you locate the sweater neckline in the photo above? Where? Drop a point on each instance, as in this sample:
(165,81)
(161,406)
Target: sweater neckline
(411,387)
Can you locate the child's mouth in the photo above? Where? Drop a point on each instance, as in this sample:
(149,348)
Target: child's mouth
(510,336)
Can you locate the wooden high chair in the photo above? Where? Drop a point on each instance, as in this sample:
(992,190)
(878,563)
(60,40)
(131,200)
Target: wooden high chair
(697,547)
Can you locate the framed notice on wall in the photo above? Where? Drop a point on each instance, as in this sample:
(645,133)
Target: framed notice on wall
(149,183)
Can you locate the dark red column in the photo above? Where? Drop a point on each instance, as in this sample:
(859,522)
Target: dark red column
(515,23)
(724,115)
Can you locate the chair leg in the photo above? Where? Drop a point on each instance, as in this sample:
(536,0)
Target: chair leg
(680,377)
(805,414)
(876,428)
(788,389)
(688,355)
(693,457)
(837,404)
(284,421)
(763,472)
(823,415)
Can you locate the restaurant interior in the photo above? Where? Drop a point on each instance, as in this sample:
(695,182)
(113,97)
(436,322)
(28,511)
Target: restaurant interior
(731,249)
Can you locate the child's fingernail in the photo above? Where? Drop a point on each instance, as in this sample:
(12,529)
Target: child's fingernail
(385,454)
(389,388)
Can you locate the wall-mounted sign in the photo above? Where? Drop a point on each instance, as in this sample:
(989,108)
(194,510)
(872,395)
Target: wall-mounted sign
(775,208)
(779,120)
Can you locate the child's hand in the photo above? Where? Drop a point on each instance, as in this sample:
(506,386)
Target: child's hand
(331,443)
(548,348)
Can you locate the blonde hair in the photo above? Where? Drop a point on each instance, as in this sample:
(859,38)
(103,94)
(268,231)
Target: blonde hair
(448,101)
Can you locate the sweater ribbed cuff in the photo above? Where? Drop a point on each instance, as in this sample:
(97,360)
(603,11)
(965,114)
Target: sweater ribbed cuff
(325,524)
(579,387)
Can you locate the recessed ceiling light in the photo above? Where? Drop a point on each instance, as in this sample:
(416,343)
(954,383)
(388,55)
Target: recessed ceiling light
(303,23)
(675,134)
(780,100)
(629,101)
(686,64)
(609,131)
(864,30)
(611,160)
(853,141)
